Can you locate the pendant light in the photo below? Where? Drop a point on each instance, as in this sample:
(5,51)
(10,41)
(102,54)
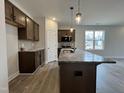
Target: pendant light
(71,29)
(78,14)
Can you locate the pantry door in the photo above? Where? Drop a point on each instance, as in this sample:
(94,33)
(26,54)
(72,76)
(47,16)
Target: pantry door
(51,41)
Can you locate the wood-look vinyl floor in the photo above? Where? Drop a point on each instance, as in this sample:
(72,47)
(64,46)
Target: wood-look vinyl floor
(110,79)
(44,81)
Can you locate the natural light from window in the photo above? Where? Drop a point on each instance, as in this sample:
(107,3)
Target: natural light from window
(94,40)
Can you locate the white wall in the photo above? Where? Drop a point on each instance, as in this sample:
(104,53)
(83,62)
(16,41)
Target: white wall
(114,36)
(28,45)
(3,54)
(114,42)
(12,51)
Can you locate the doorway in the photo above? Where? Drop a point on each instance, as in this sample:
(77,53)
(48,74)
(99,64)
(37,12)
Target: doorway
(51,40)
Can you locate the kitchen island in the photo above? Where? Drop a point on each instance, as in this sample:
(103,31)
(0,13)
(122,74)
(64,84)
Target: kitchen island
(78,71)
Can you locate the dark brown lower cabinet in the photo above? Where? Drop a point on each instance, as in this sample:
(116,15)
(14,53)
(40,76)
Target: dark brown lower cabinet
(42,57)
(77,78)
(29,61)
(59,50)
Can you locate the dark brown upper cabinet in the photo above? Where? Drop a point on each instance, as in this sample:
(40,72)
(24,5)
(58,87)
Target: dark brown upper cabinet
(19,17)
(9,16)
(62,33)
(13,15)
(30,32)
(36,31)
(27,28)
(30,29)
(8,10)
(26,33)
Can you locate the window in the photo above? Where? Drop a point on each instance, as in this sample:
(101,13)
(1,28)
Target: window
(94,40)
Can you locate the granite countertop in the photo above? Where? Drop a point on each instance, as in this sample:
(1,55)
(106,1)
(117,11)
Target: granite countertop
(82,56)
(32,50)
(35,49)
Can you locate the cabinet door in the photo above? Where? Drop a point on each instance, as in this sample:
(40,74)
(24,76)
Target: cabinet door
(59,35)
(30,29)
(42,58)
(26,62)
(36,32)
(19,17)
(73,36)
(8,10)
(37,59)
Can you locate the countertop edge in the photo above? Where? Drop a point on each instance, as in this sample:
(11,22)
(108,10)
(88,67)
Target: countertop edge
(88,62)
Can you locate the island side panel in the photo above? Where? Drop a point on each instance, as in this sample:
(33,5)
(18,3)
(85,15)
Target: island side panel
(77,77)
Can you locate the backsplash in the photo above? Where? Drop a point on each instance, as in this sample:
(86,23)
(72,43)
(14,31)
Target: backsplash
(27,45)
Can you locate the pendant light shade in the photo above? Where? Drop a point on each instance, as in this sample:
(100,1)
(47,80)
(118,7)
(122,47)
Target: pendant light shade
(78,18)
(78,14)
(71,29)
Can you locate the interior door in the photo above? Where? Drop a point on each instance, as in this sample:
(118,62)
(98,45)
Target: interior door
(51,40)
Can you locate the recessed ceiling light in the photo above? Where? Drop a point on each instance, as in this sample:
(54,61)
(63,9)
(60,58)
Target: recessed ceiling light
(54,19)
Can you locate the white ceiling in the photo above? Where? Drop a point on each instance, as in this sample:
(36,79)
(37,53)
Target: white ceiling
(102,12)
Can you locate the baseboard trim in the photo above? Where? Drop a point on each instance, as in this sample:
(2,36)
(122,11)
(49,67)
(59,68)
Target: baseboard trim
(4,90)
(13,76)
(31,73)
(118,57)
